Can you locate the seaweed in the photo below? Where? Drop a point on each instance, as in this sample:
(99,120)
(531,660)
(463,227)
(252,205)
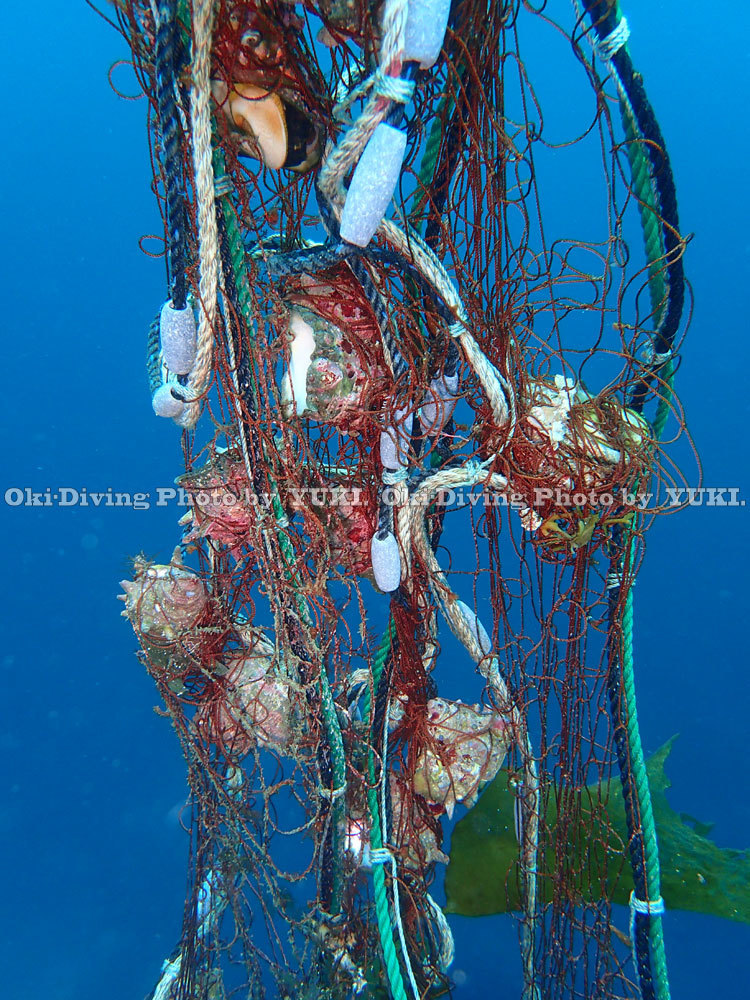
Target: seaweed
(483,878)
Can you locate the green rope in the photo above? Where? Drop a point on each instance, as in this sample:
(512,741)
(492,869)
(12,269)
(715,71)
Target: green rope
(382,911)
(653,244)
(328,706)
(650,223)
(652,237)
(432,150)
(640,780)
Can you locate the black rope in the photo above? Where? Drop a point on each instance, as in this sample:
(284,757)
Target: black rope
(314,260)
(153,346)
(663,178)
(605,17)
(169,126)
(382,696)
(641,943)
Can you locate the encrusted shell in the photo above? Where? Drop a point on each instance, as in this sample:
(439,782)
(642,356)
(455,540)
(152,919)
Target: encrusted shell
(250,705)
(465,749)
(163,603)
(221,506)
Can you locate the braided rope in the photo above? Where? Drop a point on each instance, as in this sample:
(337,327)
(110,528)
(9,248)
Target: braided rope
(473,475)
(382,912)
(645,191)
(498,391)
(648,180)
(208,239)
(447,945)
(169,126)
(611,44)
(342,158)
(647,824)
(384,778)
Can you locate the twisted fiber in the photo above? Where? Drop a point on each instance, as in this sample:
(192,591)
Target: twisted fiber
(447,945)
(472,475)
(648,945)
(653,922)
(361,271)
(663,181)
(307,260)
(313,259)
(226,278)
(394,31)
(153,360)
(243,373)
(653,182)
(208,239)
(403,532)
(499,393)
(382,912)
(385,809)
(171,151)
(342,158)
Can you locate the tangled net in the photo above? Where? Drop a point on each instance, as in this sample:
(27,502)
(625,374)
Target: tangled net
(361,396)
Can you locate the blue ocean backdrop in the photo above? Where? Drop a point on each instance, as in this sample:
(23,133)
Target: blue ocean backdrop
(93,860)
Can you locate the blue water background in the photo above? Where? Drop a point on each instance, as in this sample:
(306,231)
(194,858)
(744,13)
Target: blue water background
(93,858)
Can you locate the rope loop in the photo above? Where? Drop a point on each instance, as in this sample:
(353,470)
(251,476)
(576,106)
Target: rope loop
(392,87)
(392,477)
(611,44)
(334,794)
(654,359)
(223,186)
(381,856)
(649,908)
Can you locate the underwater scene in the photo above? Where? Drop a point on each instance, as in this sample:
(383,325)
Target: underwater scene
(374,500)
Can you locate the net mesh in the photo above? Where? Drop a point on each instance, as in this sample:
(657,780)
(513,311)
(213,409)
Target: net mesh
(414,470)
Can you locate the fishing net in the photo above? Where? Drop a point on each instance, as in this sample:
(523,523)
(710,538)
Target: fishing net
(422,365)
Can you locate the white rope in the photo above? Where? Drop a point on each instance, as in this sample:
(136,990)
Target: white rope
(403,534)
(447,945)
(606,48)
(654,359)
(170,972)
(648,908)
(611,44)
(471,475)
(345,154)
(380,856)
(499,393)
(392,477)
(392,87)
(208,239)
(334,794)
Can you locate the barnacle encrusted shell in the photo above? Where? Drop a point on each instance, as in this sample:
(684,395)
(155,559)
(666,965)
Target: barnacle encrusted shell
(166,603)
(327,380)
(336,368)
(221,501)
(251,703)
(465,748)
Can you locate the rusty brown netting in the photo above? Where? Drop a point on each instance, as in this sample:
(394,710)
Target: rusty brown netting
(417,463)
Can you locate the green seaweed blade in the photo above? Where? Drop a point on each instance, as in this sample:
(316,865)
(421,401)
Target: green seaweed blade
(482,876)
